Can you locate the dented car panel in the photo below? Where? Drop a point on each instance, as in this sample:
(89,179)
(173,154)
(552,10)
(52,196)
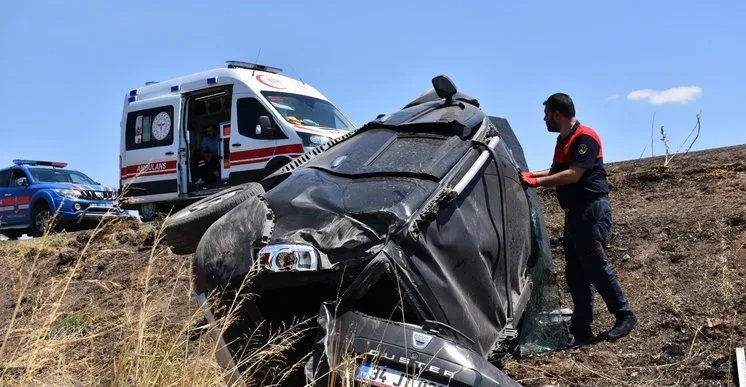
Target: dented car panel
(410,239)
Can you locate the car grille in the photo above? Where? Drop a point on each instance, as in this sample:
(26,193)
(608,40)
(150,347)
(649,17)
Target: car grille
(98,195)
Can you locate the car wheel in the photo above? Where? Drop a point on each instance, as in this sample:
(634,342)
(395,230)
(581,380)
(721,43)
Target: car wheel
(147,212)
(40,219)
(184,229)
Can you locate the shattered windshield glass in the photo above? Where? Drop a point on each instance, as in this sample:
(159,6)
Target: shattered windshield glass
(300,109)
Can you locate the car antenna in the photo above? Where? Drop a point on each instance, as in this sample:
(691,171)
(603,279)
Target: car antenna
(299,77)
(256,61)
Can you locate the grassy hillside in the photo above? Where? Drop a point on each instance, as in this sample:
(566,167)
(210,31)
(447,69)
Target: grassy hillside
(112,307)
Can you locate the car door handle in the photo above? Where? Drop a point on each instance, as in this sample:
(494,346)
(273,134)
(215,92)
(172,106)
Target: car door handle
(236,144)
(169,153)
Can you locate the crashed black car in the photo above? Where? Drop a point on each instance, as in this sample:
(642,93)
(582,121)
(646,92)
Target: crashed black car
(410,245)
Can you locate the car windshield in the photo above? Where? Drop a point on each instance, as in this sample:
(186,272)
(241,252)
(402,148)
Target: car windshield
(309,111)
(47,175)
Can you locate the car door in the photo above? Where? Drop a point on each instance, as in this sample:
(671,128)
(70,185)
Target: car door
(16,199)
(250,151)
(150,166)
(6,201)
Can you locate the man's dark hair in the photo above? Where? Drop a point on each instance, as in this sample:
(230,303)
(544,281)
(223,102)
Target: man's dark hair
(562,103)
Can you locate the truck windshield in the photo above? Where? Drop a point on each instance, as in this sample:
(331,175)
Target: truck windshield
(300,109)
(47,175)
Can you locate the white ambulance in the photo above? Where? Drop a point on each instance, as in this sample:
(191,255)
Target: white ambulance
(192,136)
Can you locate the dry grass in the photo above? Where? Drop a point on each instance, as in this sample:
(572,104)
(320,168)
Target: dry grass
(56,336)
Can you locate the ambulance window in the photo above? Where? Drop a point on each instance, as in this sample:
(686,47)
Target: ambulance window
(249,110)
(150,128)
(5,177)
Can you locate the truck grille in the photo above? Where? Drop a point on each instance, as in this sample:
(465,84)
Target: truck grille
(98,195)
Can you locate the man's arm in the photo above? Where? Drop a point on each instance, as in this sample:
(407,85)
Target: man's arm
(541,173)
(568,176)
(584,152)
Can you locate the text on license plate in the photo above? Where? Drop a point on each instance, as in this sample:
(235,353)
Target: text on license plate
(101,205)
(384,377)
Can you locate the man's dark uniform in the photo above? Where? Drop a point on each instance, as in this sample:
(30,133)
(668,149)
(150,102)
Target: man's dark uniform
(588,222)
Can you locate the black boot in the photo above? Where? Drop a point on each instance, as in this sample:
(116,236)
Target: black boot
(622,327)
(582,337)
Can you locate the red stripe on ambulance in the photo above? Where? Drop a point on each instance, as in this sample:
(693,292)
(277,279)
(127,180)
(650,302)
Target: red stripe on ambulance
(258,155)
(149,169)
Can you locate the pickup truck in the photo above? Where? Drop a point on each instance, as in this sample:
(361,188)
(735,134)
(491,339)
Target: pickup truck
(34,192)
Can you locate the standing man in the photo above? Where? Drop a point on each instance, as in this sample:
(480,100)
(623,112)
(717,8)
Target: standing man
(579,176)
(210,153)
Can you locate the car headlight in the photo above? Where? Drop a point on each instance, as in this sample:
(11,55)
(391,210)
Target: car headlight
(288,257)
(70,193)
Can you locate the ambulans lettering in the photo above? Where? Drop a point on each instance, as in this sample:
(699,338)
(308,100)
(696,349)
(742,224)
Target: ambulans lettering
(151,167)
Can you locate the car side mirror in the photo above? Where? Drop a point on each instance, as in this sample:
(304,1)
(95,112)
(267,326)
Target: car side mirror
(22,181)
(265,126)
(444,87)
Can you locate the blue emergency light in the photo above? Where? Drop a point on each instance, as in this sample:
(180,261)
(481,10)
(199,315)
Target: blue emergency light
(58,164)
(175,88)
(212,81)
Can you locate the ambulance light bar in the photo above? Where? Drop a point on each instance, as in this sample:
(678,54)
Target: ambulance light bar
(58,164)
(252,66)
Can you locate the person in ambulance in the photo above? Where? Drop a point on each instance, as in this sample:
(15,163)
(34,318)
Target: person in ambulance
(206,158)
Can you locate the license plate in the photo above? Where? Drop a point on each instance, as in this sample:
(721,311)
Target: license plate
(384,377)
(101,205)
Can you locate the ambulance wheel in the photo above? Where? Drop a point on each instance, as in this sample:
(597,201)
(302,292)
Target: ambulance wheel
(147,212)
(184,229)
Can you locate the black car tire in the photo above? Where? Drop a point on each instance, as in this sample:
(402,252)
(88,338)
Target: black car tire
(184,229)
(40,209)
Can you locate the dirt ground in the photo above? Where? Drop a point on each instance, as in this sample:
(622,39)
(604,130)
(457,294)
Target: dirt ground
(678,249)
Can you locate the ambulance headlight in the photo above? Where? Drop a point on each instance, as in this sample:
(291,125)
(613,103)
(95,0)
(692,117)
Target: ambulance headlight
(68,193)
(312,140)
(288,257)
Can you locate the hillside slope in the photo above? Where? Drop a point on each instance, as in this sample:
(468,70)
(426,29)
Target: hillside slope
(110,308)
(678,248)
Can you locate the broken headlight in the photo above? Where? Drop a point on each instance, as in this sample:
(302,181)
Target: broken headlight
(288,257)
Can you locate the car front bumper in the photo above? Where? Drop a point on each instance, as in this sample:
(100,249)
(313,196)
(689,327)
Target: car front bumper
(386,353)
(79,211)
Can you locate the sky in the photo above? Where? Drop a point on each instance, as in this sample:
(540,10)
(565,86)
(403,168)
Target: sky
(67,65)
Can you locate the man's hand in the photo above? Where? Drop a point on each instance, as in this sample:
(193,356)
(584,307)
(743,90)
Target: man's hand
(529,179)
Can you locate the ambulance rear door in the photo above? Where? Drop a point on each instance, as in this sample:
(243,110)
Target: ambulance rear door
(151,167)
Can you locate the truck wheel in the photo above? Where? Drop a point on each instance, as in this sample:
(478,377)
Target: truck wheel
(184,229)
(40,218)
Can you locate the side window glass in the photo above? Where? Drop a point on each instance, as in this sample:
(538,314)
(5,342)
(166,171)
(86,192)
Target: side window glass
(150,128)
(17,174)
(5,178)
(249,110)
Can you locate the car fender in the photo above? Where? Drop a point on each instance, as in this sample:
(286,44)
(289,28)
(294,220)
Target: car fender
(45,196)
